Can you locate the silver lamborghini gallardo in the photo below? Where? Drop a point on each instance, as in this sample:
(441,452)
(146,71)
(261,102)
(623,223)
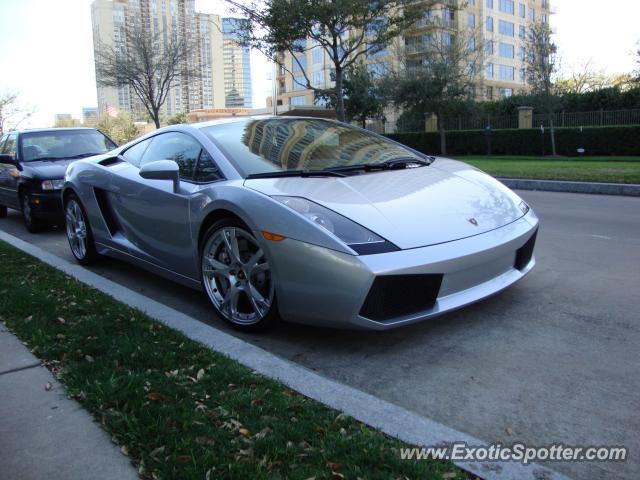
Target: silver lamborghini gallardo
(303,219)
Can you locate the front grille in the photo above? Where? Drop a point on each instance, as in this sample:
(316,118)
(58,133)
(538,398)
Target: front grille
(394,296)
(525,253)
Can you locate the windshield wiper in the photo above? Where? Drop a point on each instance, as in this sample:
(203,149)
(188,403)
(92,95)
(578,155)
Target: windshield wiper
(404,162)
(296,173)
(72,157)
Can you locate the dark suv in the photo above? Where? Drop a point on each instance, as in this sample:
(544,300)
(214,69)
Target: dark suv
(32,168)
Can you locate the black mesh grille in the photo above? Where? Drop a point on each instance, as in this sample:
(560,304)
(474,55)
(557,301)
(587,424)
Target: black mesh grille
(524,253)
(393,296)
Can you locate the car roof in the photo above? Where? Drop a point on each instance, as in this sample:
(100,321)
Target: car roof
(223,121)
(52,129)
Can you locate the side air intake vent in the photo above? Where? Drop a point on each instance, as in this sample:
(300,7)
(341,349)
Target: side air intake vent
(524,253)
(108,162)
(105,210)
(394,296)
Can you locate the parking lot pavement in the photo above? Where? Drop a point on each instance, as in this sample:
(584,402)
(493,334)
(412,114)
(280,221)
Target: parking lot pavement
(552,360)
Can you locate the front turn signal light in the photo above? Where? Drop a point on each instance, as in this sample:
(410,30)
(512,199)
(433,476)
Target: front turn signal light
(272,237)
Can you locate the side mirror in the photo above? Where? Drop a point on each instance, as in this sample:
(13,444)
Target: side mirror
(5,158)
(162,170)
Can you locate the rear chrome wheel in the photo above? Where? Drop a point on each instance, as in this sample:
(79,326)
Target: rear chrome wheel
(79,232)
(237,276)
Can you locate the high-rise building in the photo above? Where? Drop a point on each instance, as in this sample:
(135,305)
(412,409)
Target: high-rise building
(499,27)
(237,67)
(112,19)
(89,114)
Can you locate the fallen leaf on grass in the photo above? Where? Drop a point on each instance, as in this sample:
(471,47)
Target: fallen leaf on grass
(256,402)
(124,450)
(62,320)
(154,396)
(448,475)
(262,433)
(183,458)
(157,451)
(89,358)
(244,432)
(200,374)
(205,441)
(29,318)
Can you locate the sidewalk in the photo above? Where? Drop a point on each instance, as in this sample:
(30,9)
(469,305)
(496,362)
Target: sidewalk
(43,434)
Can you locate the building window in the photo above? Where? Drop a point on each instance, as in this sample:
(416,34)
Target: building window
(299,100)
(531,14)
(471,44)
(522,32)
(522,9)
(545,18)
(377,69)
(507,72)
(489,24)
(506,92)
(299,63)
(299,83)
(318,79)
(447,39)
(522,54)
(488,48)
(523,74)
(472,2)
(507,6)
(489,3)
(506,28)
(489,93)
(317,55)
(507,50)
(488,70)
(471,20)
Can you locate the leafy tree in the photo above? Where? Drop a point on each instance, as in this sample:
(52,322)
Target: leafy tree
(363,96)
(541,65)
(148,64)
(441,83)
(121,128)
(12,113)
(66,123)
(345,30)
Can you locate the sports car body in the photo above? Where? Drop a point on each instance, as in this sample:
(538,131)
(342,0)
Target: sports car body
(309,220)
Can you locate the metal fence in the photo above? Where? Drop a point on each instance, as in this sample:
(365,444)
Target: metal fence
(600,118)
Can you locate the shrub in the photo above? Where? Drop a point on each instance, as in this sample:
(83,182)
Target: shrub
(620,141)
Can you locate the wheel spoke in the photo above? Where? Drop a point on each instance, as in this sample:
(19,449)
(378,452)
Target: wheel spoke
(217,266)
(230,300)
(255,258)
(231,243)
(259,303)
(261,267)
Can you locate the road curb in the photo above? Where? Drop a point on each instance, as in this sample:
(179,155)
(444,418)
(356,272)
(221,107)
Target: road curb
(622,189)
(389,418)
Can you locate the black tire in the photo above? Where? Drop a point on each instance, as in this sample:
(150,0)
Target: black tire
(31,221)
(88,254)
(3,211)
(251,278)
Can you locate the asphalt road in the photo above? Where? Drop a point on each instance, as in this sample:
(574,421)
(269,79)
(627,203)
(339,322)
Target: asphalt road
(554,359)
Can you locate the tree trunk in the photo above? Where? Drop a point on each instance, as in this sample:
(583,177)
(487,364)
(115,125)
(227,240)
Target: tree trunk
(443,134)
(339,96)
(156,117)
(552,132)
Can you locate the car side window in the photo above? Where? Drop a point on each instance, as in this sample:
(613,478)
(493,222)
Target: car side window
(9,147)
(207,170)
(133,155)
(2,140)
(176,146)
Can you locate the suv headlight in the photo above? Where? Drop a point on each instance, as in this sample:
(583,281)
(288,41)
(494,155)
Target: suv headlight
(358,238)
(53,184)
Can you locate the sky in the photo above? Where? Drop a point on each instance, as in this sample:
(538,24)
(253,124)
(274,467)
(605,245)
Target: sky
(46,49)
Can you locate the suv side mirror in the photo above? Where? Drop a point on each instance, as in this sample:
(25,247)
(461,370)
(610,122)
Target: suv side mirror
(6,158)
(162,170)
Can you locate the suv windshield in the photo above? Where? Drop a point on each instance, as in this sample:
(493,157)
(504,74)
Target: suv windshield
(61,144)
(291,144)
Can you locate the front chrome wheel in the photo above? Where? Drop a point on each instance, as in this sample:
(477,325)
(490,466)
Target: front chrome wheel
(76,229)
(237,276)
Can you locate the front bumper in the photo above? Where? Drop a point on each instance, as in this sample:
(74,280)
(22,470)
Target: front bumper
(324,287)
(47,204)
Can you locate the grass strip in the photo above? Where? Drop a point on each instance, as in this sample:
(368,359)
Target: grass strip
(178,409)
(609,171)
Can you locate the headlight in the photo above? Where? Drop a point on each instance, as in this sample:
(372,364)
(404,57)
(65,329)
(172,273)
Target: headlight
(357,237)
(52,184)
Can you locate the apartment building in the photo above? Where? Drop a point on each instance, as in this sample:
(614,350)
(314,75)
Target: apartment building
(237,67)
(112,19)
(498,27)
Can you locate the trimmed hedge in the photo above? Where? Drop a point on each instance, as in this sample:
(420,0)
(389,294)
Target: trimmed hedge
(615,141)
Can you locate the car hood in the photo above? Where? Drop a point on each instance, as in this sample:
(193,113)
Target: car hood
(445,201)
(48,169)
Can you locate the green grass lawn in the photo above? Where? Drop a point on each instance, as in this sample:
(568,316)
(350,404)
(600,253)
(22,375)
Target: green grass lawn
(587,169)
(178,409)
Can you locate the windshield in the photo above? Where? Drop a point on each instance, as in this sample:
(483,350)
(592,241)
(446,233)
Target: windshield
(281,144)
(61,144)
